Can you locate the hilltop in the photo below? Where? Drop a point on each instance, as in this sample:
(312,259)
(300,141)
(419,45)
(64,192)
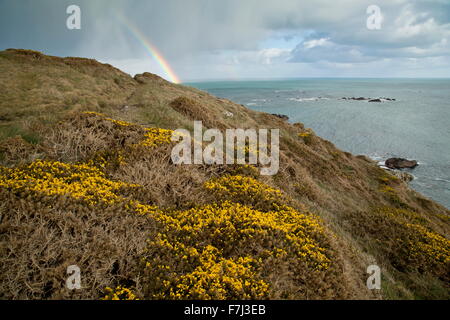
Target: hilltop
(87,180)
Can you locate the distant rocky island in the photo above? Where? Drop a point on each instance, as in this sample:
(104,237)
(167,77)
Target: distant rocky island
(368,99)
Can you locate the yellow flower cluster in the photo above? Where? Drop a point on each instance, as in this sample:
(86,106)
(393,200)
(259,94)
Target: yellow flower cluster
(118,122)
(156,136)
(304,134)
(403,215)
(307,136)
(152,136)
(52,178)
(390,194)
(119,293)
(244,189)
(216,278)
(430,244)
(185,261)
(142,209)
(235,184)
(408,240)
(387,189)
(387,178)
(246,169)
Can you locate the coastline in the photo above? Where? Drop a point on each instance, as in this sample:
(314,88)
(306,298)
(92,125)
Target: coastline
(377,130)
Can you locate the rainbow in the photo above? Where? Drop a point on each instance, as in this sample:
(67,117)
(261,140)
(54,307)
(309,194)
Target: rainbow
(151,49)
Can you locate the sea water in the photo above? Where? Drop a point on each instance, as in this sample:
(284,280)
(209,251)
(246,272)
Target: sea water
(415,126)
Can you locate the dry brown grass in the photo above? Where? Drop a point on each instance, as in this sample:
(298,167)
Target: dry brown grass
(195,111)
(39,242)
(165,184)
(82,136)
(16,150)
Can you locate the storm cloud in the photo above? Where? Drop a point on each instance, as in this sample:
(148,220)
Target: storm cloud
(204,39)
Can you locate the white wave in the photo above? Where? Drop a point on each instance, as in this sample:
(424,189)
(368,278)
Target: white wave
(441,180)
(259,100)
(302,99)
(377,157)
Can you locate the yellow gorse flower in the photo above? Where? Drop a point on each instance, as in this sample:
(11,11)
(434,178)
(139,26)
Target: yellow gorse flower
(414,245)
(429,244)
(156,136)
(244,189)
(119,293)
(190,240)
(152,136)
(304,134)
(80,181)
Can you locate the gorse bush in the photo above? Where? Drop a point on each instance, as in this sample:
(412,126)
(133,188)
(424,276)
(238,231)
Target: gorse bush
(152,137)
(229,250)
(307,136)
(206,275)
(405,238)
(156,136)
(428,250)
(78,181)
(194,240)
(87,135)
(246,190)
(119,293)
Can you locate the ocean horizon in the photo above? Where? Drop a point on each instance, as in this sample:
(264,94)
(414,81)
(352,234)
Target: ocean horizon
(414,126)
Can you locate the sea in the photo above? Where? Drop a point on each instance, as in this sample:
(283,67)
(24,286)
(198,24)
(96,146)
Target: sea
(414,126)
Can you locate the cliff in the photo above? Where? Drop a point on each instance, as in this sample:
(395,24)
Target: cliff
(87,180)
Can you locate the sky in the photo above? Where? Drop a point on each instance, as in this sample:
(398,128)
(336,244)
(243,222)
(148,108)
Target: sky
(198,40)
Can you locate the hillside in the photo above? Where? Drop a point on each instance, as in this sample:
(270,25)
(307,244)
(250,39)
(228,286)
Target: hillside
(87,180)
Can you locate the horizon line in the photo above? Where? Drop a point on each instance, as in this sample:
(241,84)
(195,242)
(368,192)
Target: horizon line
(309,78)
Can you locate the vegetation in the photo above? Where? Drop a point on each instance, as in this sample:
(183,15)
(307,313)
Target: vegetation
(86,179)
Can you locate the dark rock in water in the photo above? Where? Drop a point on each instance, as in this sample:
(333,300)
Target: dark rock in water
(368,99)
(281,116)
(400,163)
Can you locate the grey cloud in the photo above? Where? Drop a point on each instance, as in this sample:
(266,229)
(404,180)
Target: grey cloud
(408,31)
(205,31)
(323,49)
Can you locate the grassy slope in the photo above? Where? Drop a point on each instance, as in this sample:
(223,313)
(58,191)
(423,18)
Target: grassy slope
(372,217)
